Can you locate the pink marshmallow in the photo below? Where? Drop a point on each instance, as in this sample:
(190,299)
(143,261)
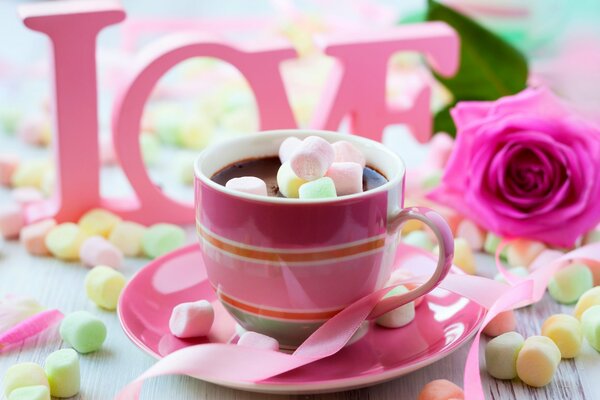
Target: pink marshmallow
(312,158)
(107,151)
(501,323)
(96,250)
(287,148)
(26,195)
(32,131)
(347,152)
(258,341)
(11,220)
(8,165)
(474,235)
(347,177)
(441,146)
(191,319)
(33,237)
(248,184)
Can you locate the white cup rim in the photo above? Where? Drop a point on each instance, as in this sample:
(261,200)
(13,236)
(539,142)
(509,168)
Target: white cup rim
(394,177)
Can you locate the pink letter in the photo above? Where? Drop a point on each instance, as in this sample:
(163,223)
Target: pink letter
(357,85)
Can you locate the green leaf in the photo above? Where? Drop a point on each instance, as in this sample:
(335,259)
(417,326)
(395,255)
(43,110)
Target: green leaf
(489,68)
(442,121)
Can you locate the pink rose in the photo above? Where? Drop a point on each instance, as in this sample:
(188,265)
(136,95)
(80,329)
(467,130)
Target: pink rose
(524,166)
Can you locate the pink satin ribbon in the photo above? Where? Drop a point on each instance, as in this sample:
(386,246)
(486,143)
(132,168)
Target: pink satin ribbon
(217,362)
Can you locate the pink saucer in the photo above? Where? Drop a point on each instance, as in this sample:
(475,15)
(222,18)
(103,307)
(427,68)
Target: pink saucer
(444,322)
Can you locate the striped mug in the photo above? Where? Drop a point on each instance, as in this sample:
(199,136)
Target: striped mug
(281,266)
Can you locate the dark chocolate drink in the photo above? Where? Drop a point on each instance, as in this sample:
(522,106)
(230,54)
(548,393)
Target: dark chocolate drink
(266,169)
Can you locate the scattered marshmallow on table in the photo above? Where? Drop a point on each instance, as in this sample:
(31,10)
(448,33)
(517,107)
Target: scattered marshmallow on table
(248,184)
(159,239)
(33,237)
(441,389)
(463,256)
(30,173)
(344,151)
(590,322)
(589,299)
(191,319)
(523,252)
(103,285)
(258,341)
(37,392)
(98,222)
(11,220)
(491,243)
(26,195)
(83,331)
(287,148)
(23,375)
(565,332)
(501,355)
(127,237)
(8,166)
(473,234)
(312,158)
(96,250)
(322,188)
(568,284)
(64,241)
(288,182)
(420,239)
(537,361)
(62,370)
(347,177)
(502,323)
(400,316)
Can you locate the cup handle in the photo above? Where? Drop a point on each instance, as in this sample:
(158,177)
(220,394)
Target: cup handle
(442,231)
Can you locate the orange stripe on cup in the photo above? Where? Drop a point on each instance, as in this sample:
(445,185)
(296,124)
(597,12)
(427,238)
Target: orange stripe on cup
(306,256)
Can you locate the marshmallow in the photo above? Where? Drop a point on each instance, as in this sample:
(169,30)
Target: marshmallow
(191,319)
(258,341)
(64,241)
(312,158)
(35,131)
(431,179)
(403,274)
(160,239)
(590,322)
(441,389)
(33,237)
(127,237)
(8,166)
(440,148)
(62,369)
(347,177)
(589,299)
(107,151)
(9,119)
(288,182)
(26,195)
(565,332)
(37,392)
(412,225)
(400,316)
(23,375)
(592,236)
(501,355)
(287,148)
(537,361)
(96,250)
(518,271)
(98,222)
(150,148)
(11,220)
(83,331)
(523,252)
(491,243)
(168,120)
(568,284)
(30,173)
(197,132)
(48,181)
(248,184)
(345,151)
(322,188)
(463,256)
(501,323)
(420,239)
(103,285)
(474,235)
(184,168)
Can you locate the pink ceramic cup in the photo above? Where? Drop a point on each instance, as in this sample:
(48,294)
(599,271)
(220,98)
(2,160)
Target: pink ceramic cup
(282,266)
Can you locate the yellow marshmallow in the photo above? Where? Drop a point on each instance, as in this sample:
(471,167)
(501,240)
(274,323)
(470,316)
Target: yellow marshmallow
(588,299)
(103,286)
(537,361)
(565,331)
(463,256)
(30,173)
(64,241)
(98,222)
(127,237)
(22,375)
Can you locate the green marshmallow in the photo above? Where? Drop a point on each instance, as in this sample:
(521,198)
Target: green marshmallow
(491,243)
(83,331)
(38,392)
(22,375)
(568,284)
(590,322)
(150,147)
(501,355)
(62,370)
(322,188)
(160,239)
(419,239)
